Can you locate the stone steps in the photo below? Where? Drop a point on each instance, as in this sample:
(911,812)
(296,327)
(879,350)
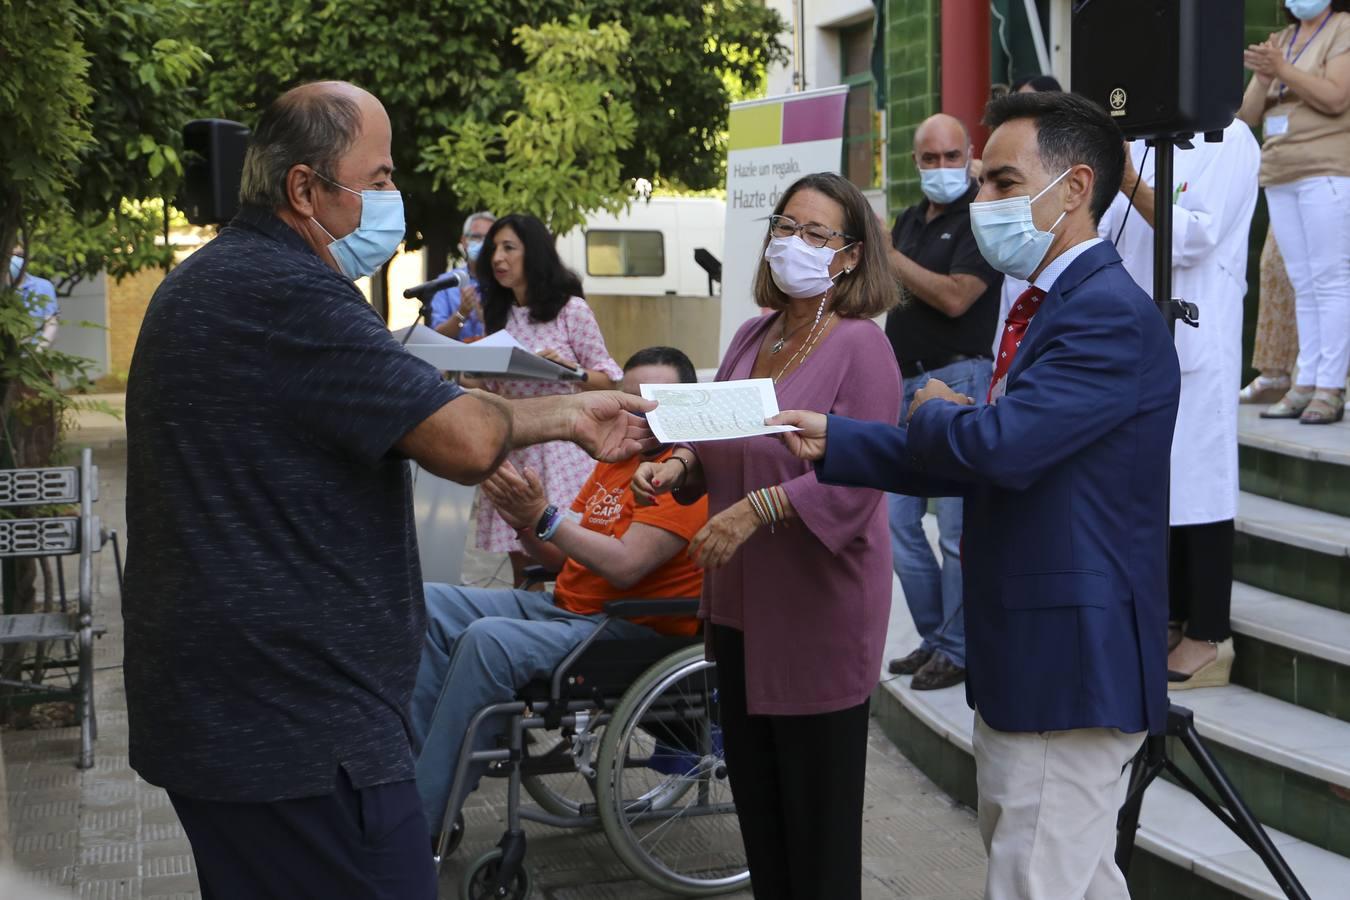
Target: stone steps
(1293,550)
(933,728)
(1292,650)
(1300,464)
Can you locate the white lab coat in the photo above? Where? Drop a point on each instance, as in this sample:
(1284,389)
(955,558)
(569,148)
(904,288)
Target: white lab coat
(1214,195)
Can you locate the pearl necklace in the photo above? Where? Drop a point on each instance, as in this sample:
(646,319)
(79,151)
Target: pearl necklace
(812,338)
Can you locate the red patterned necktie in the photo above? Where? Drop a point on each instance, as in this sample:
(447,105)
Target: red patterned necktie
(1019,317)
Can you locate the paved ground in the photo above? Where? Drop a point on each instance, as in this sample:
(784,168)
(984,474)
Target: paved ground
(106,835)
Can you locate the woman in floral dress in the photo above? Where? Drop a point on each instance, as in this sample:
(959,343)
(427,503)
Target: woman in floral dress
(528,292)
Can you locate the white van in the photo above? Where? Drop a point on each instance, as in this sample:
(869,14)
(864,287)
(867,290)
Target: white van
(648,249)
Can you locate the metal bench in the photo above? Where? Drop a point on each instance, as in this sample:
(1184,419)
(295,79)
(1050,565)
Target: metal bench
(51,531)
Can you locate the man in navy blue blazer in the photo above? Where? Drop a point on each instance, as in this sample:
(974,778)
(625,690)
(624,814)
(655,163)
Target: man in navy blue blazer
(1064,477)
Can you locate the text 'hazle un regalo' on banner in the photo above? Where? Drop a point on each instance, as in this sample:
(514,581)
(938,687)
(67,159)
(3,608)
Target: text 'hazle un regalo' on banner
(771,143)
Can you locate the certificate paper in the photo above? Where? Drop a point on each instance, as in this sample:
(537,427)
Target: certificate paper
(718,411)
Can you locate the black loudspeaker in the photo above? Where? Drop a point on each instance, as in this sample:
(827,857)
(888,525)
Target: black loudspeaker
(214,160)
(1160,67)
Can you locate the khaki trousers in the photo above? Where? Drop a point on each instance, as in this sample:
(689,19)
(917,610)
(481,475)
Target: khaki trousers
(1048,805)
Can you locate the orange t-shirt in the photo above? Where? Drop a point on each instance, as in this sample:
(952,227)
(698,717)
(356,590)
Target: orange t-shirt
(605,505)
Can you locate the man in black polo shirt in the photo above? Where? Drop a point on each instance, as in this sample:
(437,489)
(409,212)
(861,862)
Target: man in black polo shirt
(273,603)
(942,329)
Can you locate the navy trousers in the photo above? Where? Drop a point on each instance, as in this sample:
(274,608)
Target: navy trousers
(368,844)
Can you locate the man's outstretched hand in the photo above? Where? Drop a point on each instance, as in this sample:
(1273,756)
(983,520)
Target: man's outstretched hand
(605,424)
(809,442)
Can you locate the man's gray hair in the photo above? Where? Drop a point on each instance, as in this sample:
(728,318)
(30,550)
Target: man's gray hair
(474,217)
(313,127)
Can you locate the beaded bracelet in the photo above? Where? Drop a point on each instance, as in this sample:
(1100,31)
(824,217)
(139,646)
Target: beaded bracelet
(759,510)
(775,507)
(767,506)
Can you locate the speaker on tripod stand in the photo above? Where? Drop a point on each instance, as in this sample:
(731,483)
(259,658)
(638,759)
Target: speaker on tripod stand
(1165,71)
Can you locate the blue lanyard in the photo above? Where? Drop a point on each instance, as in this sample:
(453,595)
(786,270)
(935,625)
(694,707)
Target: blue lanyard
(1294,40)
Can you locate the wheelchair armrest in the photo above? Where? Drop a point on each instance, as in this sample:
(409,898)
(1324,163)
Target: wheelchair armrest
(631,609)
(532,575)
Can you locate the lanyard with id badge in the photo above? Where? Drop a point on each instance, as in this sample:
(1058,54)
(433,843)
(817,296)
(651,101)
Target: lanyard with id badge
(1279,125)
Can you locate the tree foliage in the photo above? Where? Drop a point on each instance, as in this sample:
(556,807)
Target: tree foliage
(454,67)
(143,73)
(44,102)
(93,94)
(97,91)
(557,156)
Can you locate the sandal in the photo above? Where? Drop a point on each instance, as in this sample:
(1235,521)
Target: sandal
(1326,408)
(1291,405)
(1265,389)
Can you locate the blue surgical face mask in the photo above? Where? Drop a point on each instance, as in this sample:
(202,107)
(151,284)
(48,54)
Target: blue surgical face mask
(1307,9)
(943,186)
(473,248)
(375,239)
(15,267)
(1007,234)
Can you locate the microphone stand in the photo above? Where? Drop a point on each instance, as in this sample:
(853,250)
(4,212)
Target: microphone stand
(1153,758)
(424,314)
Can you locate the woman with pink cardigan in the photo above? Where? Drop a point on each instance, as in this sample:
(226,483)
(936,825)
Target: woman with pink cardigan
(798,586)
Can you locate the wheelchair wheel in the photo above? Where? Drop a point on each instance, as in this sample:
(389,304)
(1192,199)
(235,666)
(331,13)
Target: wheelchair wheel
(481,876)
(661,782)
(549,774)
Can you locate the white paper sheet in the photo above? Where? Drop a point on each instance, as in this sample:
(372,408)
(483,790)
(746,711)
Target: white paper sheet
(719,411)
(502,338)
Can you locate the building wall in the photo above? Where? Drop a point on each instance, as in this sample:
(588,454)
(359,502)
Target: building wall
(127,301)
(820,59)
(87,303)
(913,79)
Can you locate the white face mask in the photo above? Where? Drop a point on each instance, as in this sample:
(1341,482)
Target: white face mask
(944,186)
(1007,234)
(799,269)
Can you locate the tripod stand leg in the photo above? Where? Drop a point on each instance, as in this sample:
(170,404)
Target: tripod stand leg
(1244,824)
(1145,767)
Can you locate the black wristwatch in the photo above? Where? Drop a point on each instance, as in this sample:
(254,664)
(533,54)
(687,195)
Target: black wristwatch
(541,528)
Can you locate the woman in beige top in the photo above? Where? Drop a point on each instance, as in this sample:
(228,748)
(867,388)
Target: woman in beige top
(1300,96)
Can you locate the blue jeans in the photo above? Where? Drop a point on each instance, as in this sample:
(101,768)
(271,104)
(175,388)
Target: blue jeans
(481,647)
(933,588)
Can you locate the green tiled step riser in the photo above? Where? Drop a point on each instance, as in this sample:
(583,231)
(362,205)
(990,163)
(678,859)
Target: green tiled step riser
(1152,878)
(1306,808)
(953,770)
(1302,482)
(1311,682)
(1293,571)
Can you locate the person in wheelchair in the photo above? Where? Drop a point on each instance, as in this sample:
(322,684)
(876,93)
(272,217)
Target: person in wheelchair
(482,645)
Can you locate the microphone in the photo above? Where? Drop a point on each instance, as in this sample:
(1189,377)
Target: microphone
(440,282)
